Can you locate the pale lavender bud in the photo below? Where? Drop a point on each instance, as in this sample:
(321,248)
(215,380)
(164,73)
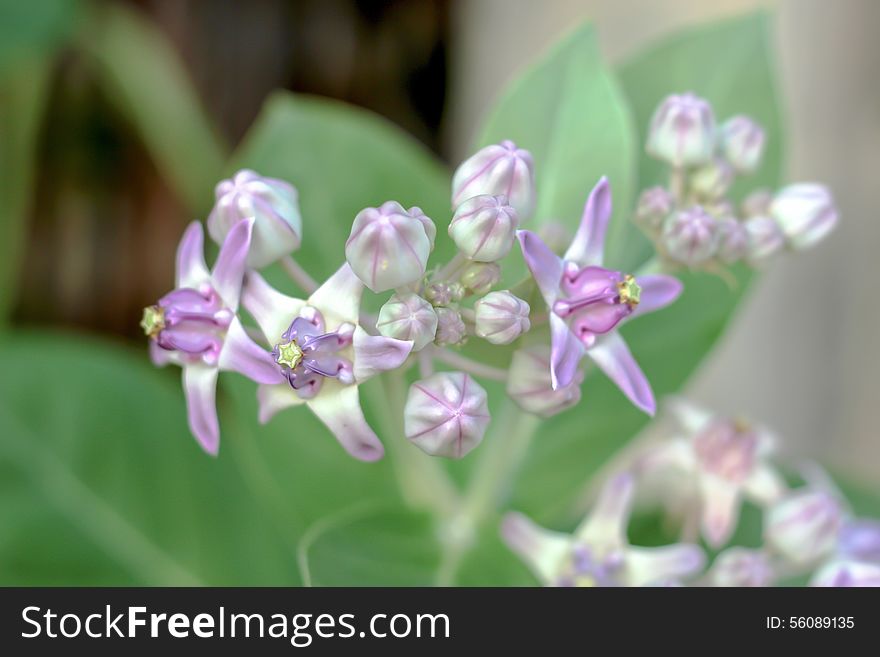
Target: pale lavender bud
(408,317)
(682,131)
(450,327)
(528,383)
(847,574)
(446,414)
(766,239)
(741,140)
(733,240)
(483,228)
(757,203)
(742,567)
(501,317)
(479,277)
(444,293)
(495,170)
(655,204)
(389,246)
(860,539)
(804,526)
(690,236)
(274,205)
(712,181)
(805,212)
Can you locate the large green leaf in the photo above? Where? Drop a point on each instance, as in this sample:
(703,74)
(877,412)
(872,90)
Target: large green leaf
(30,30)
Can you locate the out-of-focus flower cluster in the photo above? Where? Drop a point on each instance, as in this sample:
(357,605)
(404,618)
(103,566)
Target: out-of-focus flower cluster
(701,476)
(692,220)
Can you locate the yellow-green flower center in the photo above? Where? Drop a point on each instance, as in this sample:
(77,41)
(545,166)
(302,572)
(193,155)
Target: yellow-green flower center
(289,354)
(629,291)
(153,321)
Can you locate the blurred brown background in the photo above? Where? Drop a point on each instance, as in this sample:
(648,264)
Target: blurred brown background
(802,354)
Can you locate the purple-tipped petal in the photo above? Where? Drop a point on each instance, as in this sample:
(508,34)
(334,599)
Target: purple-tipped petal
(200,389)
(159,356)
(191,268)
(589,241)
(376,353)
(614,358)
(228,273)
(721,503)
(566,352)
(606,524)
(272,399)
(545,266)
(658,565)
(658,291)
(543,551)
(339,298)
(338,406)
(241,354)
(272,310)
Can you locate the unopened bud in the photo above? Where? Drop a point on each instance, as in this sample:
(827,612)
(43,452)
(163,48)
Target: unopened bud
(408,317)
(742,567)
(483,228)
(446,414)
(479,277)
(733,240)
(712,181)
(501,317)
(847,574)
(742,142)
(682,131)
(757,204)
(805,212)
(766,239)
(444,293)
(494,170)
(860,539)
(389,246)
(690,236)
(528,383)
(274,205)
(803,527)
(450,327)
(655,204)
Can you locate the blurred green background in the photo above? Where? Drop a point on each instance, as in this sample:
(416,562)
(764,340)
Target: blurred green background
(116,120)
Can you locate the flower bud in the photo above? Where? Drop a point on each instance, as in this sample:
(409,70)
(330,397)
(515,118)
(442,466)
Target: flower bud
(655,204)
(733,240)
(712,181)
(274,205)
(450,327)
(498,169)
(803,527)
(847,574)
(805,212)
(682,131)
(479,277)
(690,236)
(766,239)
(483,228)
(528,383)
(443,293)
(389,246)
(757,203)
(860,540)
(741,141)
(446,414)
(408,317)
(501,317)
(741,567)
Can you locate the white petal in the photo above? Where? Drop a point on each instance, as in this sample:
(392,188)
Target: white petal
(691,417)
(339,298)
(191,268)
(338,406)
(272,310)
(660,564)
(765,485)
(274,398)
(721,503)
(543,551)
(605,527)
(376,353)
(200,388)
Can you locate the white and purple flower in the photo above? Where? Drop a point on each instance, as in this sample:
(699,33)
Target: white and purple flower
(321,354)
(587,302)
(195,326)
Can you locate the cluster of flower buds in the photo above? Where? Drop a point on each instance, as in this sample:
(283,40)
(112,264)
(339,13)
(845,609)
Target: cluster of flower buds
(693,222)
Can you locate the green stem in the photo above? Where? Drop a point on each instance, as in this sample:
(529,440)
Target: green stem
(423,482)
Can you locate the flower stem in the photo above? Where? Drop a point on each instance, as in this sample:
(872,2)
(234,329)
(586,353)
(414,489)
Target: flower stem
(423,482)
(502,456)
(451,267)
(298,275)
(468,365)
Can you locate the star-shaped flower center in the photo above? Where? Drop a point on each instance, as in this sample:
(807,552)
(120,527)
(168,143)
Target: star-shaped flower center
(289,354)
(153,321)
(629,291)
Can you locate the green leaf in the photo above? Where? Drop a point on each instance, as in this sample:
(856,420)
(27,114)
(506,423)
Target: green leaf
(24,93)
(569,111)
(101,483)
(144,77)
(31,30)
